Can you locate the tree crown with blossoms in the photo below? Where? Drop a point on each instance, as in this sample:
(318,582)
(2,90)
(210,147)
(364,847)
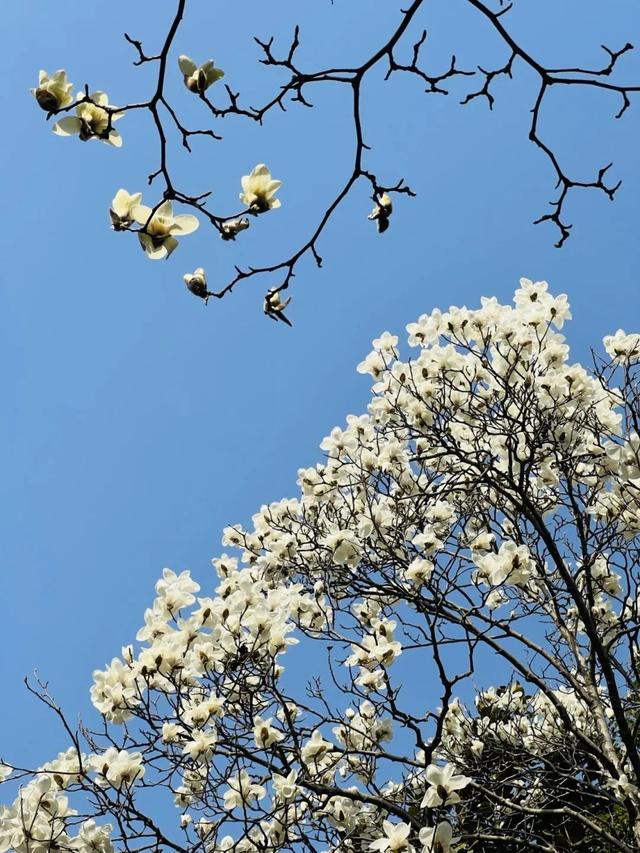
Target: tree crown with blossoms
(484,511)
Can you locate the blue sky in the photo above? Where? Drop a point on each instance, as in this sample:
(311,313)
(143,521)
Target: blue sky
(138,423)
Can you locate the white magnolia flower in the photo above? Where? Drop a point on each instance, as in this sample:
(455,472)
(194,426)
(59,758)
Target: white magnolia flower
(242,791)
(198,78)
(119,767)
(121,210)
(395,838)
(443,785)
(512,564)
(53,93)
(201,744)
(160,228)
(264,733)
(93,838)
(93,120)
(381,212)
(622,347)
(285,786)
(437,839)
(258,190)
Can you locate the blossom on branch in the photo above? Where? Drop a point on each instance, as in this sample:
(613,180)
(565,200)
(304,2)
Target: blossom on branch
(160,229)
(53,93)
(196,283)
(259,189)
(198,78)
(381,212)
(121,210)
(231,228)
(93,120)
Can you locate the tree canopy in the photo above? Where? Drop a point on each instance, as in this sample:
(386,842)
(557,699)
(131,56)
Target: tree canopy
(485,507)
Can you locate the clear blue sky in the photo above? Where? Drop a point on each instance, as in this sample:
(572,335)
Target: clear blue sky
(136,422)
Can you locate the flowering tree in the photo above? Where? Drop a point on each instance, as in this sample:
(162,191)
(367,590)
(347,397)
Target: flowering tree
(90,116)
(474,533)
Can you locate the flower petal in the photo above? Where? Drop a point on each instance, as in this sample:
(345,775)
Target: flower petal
(185,223)
(114,139)
(69,126)
(187,65)
(165,209)
(170,244)
(141,213)
(156,253)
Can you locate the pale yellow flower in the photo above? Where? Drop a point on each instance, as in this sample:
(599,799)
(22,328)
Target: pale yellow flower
(91,121)
(159,227)
(198,78)
(259,189)
(53,93)
(122,207)
(381,212)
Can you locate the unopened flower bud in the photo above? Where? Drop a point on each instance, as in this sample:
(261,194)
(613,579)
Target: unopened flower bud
(233,227)
(197,283)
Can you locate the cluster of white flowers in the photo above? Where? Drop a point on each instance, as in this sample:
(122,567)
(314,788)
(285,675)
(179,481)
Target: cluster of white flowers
(40,820)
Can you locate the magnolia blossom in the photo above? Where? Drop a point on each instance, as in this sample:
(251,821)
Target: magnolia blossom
(265,734)
(198,78)
(121,210)
(381,212)
(395,838)
(93,120)
(160,229)
(622,347)
(443,784)
(93,838)
(274,305)
(119,768)
(437,839)
(285,786)
(259,189)
(512,564)
(201,744)
(242,790)
(53,93)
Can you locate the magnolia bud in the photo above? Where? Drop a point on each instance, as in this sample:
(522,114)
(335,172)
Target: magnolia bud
(233,227)
(197,283)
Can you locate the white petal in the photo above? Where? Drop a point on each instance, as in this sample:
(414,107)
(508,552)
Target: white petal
(69,126)
(121,203)
(165,209)
(141,213)
(185,224)
(187,65)
(114,139)
(170,244)
(156,253)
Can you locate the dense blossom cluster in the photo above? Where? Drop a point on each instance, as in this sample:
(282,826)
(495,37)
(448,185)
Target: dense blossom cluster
(485,509)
